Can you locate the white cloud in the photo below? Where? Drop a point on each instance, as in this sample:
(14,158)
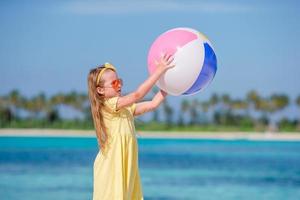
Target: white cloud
(144,6)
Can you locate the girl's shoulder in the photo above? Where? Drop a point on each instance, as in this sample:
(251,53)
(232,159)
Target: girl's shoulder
(111,105)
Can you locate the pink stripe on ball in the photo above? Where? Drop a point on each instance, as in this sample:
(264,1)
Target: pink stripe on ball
(168,43)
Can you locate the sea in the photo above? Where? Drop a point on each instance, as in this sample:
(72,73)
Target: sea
(61,168)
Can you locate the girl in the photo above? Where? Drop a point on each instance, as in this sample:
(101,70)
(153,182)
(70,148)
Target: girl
(116,171)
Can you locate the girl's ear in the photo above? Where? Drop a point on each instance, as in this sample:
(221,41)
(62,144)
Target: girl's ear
(100,90)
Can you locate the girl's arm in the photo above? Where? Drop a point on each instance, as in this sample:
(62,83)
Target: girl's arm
(148,106)
(162,66)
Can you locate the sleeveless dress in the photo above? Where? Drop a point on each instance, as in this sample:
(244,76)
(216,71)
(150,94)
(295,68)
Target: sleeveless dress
(116,174)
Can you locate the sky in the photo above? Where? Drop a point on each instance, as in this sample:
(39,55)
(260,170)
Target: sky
(50,46)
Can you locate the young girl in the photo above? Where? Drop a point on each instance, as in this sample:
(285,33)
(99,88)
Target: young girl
(116,171)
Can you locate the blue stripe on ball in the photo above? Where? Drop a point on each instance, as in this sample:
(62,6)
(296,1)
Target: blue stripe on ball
(207,73)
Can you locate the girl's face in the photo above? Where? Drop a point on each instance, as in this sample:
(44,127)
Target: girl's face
(112,84)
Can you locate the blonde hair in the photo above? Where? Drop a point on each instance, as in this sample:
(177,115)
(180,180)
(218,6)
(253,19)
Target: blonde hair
(97,102)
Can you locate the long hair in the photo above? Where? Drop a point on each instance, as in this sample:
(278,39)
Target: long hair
(96,101)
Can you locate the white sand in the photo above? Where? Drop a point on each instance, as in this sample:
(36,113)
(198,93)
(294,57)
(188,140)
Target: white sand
(284,136)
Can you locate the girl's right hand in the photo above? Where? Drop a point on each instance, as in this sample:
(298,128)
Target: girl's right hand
(165,62)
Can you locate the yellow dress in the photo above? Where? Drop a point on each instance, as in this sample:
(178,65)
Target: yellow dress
(116,174)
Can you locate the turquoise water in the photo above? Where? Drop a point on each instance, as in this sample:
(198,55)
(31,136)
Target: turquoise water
(61,168)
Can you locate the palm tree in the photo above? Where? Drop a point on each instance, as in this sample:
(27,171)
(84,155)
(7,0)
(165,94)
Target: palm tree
(279,102)
(81,100)
(253,98)
(72,99)
(15,100)
(155,116)
(264,107)
(256,102)
(184,107)
(271,105)
(57,99)
(205,106)
(52,115)
(37,104)
(239,104)
(85,106)
(226,113)
(6,116)
(168,113)
(214,100)
(194,112)
(226,100)
(14,97)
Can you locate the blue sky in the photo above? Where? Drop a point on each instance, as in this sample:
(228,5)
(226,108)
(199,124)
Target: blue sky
(51,45)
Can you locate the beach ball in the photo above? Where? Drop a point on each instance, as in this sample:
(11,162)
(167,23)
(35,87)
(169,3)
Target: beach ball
(194,58)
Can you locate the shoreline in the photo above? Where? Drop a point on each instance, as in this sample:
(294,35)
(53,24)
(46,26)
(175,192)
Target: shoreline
(282,136)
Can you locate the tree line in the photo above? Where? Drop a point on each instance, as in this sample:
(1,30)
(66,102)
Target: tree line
(219,112)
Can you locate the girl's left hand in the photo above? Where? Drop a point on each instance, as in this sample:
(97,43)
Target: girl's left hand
(163,93)
(165,62)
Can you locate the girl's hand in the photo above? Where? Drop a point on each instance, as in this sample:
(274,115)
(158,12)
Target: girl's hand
(165,62)
(163,93)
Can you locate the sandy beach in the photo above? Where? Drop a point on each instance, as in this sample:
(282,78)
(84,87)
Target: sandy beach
(284,136)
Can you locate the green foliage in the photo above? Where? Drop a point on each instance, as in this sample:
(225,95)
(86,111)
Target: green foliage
(193,115)
(287,125)
(6,116)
